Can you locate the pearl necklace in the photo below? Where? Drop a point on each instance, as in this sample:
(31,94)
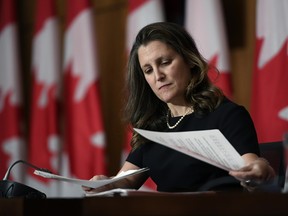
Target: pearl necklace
(175,125)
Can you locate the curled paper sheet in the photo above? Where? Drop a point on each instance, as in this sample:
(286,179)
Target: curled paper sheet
(87,183)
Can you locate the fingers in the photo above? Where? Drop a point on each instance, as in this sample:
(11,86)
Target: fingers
(254,174)
(94,178)
(246,173)
(98,177)
(86,189)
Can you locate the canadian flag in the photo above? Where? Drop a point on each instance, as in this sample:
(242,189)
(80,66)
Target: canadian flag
(269,105)
(44,141)
(84,130)
(140,14)
(11,141)
(204,20)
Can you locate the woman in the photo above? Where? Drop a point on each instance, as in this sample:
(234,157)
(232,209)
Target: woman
(169,90)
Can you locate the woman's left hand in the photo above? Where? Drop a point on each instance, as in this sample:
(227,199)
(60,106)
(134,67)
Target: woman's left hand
(254,173)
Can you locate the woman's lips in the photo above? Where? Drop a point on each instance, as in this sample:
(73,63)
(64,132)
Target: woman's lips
(164,86)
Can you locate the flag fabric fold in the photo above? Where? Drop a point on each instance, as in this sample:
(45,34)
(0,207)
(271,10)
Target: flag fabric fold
(84,129)
(140,14)
(204,20)
(11,140)
(44,138)
(269,105)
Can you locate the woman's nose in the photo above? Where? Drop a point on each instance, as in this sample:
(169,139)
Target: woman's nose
(159,75)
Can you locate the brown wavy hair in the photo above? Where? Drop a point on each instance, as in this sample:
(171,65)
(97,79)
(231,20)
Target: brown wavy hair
(143,109)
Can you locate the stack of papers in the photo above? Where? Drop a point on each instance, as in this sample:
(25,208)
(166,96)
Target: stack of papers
(87,183)
(209,146)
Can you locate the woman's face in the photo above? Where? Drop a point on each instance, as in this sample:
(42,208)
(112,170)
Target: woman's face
(165,71)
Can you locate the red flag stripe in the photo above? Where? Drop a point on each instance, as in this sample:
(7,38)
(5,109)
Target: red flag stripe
(7,13)
(269,105)
(210,37)
(141,13)
(74,7)
(84,129)
(11,142)
(44,9)
(134,5)
(44,139)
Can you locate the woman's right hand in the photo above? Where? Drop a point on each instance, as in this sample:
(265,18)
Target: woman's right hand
(99,189)
(130,182)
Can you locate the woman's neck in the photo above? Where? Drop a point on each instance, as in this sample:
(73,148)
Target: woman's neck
(180,110)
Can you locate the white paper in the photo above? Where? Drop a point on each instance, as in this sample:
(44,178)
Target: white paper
(209,146)
(110,193)
(87,183)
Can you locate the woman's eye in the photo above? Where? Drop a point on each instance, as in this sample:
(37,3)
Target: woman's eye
(166,62)
(147,70)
